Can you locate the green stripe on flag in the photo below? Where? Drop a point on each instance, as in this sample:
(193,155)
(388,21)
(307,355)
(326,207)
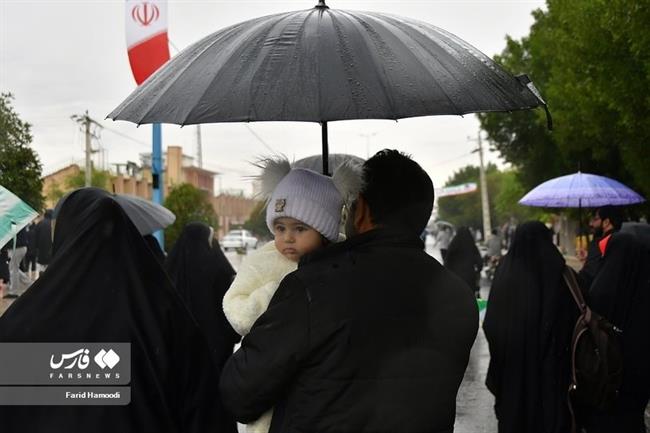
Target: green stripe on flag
(14,215)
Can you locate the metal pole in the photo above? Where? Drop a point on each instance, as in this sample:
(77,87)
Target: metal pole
(199,149)
(580,225)
(326,152)
(485,201)
(157,174)
(89,167)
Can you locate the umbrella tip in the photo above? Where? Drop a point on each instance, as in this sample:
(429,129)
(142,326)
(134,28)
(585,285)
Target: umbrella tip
(321,4)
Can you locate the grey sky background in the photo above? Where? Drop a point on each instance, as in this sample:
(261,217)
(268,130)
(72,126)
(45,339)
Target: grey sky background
(61,58)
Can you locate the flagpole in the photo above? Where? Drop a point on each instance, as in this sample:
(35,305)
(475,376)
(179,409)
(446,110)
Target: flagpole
(157,175)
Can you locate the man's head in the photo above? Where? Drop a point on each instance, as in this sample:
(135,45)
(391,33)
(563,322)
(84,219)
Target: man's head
(396,192)
(606,219)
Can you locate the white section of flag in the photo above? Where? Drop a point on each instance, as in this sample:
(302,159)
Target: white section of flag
(455,190)
(144,20)
(14,215)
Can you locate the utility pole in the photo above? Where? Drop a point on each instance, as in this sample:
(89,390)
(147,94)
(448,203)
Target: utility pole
(86,122)
(485,200)
(199,150)
(368,137)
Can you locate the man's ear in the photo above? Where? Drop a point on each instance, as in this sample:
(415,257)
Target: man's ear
(606,223)
(362,217)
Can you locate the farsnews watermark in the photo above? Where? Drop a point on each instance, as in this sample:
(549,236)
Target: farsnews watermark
(73,373)
(69,366)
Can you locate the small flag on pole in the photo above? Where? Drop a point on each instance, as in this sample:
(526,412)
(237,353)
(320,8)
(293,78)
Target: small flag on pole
(482,305)
(15,214)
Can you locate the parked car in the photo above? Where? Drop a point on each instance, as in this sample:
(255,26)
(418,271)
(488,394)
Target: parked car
(239,239)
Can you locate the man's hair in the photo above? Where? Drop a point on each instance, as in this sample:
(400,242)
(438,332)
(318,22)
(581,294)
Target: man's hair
(613,213)
(397,190)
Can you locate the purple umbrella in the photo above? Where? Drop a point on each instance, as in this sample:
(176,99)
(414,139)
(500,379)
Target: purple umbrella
(580,190)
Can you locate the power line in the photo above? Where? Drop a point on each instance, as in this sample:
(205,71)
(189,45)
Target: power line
(128,137)
(260,139)
(464,155)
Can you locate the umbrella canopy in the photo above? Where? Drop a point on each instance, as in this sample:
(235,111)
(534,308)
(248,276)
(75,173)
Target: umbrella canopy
(321,65)
(14,215)
(580,190)
(148,217)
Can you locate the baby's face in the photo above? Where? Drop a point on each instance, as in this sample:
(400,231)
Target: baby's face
(294,238)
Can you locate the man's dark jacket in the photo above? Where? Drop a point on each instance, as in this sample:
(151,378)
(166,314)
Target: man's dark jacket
(370,335)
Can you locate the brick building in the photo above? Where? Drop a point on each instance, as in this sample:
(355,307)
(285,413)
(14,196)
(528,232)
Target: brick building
(134,179)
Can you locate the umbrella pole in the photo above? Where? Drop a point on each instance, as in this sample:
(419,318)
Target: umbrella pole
(580,221)
(326,152)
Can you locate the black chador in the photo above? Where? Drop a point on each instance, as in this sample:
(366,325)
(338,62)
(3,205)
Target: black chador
(202,274)
(104,285)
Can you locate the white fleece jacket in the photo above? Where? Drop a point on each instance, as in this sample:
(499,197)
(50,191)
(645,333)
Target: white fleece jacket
(258,277)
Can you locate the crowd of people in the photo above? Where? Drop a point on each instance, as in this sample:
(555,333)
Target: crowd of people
(361,331)
(22,261)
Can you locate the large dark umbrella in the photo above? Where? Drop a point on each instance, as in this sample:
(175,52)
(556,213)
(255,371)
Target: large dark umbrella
(320,65)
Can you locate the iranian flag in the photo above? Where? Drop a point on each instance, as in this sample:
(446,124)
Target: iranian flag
(146,36)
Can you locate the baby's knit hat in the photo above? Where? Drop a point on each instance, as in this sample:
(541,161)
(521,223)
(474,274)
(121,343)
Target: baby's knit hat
(315,199)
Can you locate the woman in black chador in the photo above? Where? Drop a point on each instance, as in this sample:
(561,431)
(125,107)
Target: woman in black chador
(464,260)
(202,274)
(104,285)
(528,325)
(621,293)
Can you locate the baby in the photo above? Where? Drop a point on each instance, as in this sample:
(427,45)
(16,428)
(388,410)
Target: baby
(303,213)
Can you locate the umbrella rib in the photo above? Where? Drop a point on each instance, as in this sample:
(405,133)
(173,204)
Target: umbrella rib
(379,69)
(458,110)
(178,74)
(476,56)
(426,49)
(218,73)
(273,49)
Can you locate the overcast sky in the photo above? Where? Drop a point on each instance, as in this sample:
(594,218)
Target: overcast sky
(61,58)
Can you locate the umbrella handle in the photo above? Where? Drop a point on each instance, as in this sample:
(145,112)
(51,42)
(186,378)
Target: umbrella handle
(321,4)
(325,152)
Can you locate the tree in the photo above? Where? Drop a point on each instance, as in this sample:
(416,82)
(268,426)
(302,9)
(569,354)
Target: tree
(256,222)
(189,204)
(54,193)
(504,190)
(589,58)
(465,209)
(98,178)
(506,201)
(20,167)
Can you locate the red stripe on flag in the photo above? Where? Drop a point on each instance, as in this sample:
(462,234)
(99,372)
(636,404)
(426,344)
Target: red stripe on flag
(147,57)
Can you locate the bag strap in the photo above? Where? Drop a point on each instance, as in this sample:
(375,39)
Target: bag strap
(574,288)
(576,293)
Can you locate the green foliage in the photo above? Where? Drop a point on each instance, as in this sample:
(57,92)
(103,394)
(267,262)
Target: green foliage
(590,59)
(256,222)
(189,204)
(504,191)
(54,193)
(20,168)
(509,191)
(465,209)
(98,178)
